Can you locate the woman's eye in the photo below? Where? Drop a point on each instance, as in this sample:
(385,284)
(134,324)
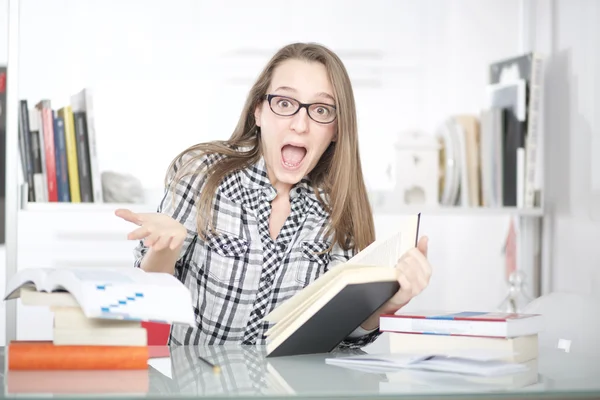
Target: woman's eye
(322,111)
(283,103)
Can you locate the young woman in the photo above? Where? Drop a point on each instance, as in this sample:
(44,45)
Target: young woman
(248,222)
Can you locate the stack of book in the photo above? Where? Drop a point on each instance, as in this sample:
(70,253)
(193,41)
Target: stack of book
(515,335)
(512,337)
(97,329)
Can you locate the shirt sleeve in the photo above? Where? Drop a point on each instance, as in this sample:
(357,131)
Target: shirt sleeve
(359,337)
(179,202)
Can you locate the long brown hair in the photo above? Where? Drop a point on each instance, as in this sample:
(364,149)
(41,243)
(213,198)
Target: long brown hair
(338,172)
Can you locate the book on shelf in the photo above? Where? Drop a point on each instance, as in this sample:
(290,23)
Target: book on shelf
(513,119)
(493,158)
(58,151)
(322,315)
(3,71)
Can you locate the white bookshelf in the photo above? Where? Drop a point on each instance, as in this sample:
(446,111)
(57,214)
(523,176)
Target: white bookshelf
(387,208)
(459,211)
(86,207)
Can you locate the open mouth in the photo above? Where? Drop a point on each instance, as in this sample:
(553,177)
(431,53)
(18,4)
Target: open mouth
(292,155)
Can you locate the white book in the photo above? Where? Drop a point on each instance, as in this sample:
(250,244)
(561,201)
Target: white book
(114,293)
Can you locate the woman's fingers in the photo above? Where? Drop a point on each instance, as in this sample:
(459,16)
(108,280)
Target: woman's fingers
(151,239)
(138,233)
(176,242)
(162,243)
(129,215)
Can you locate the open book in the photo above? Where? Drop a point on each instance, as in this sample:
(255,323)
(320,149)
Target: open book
(323,314)
(123,293)
(477,362)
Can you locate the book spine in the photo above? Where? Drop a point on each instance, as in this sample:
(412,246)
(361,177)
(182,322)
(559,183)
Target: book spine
(3,71)
(49,149)
(25,139)
(83,157)
(532,168)
(93,149)
(71,144)
(31,356)
(62,173)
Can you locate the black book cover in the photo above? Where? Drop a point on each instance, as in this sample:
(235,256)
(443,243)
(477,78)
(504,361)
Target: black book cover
(83,157)
(513,139)
(337,319)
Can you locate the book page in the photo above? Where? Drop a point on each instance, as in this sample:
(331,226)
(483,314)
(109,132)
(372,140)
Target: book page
(386,252)
(35,277)
(115,293)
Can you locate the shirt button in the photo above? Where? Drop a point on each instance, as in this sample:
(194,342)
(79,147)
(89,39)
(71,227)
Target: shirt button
(267,278)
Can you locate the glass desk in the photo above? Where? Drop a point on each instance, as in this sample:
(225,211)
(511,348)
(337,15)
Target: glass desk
(245,372)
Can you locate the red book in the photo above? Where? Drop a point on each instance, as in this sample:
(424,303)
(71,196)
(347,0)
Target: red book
(466,323)
(47,128)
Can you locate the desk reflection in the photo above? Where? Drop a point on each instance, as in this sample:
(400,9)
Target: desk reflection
(245,370)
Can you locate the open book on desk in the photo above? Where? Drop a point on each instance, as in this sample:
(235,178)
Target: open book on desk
(113,293)
(322,315)
(476,362)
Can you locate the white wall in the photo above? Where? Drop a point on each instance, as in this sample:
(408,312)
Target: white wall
(169,74)
(572,124)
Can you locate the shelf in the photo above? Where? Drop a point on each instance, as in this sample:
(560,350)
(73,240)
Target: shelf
(381,207)
(465,211)
(86,207)
(386,203)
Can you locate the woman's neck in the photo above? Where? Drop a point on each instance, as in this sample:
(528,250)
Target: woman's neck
(283,189)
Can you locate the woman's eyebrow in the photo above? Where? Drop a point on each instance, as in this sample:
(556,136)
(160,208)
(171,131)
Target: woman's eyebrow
(326,95)
(286,88)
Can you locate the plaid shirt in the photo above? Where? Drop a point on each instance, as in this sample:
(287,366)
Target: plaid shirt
(239,275)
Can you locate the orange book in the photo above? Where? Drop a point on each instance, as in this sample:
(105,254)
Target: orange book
(44,355)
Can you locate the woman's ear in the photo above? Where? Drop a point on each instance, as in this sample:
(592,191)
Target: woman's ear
(257,113)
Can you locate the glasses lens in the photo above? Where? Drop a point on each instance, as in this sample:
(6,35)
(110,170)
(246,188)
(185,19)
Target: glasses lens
(322,112)
(283,105)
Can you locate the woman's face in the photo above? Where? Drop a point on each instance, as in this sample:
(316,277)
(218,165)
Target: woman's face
(294,143)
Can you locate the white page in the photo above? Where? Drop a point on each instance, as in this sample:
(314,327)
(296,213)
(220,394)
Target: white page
(387,251)
(124,293)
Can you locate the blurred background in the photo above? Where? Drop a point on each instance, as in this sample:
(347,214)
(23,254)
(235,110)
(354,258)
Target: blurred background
(484,115)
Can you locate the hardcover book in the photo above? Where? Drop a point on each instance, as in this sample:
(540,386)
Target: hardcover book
(323,314)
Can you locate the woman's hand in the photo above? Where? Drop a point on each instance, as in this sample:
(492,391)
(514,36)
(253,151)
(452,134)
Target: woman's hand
(159,231)
(414,272)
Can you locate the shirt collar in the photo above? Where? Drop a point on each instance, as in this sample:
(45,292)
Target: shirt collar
(255,177)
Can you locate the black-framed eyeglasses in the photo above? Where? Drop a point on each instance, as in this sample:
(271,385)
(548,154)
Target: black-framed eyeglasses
(287,106)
